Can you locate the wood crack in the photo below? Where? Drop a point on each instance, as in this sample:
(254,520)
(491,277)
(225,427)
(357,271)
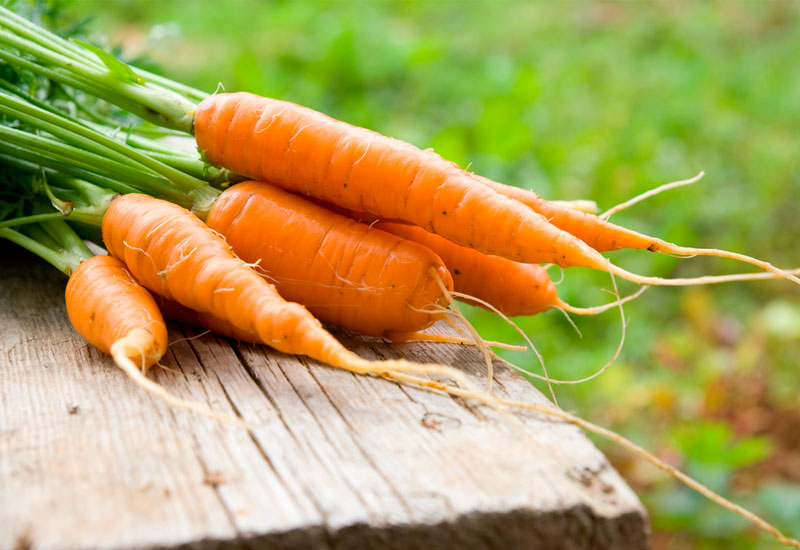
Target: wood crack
(249,369)
(355,440)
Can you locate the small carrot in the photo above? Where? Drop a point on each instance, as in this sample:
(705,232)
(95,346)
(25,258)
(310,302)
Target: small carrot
(106,305)
(343,271)
(114,313)
(513,288)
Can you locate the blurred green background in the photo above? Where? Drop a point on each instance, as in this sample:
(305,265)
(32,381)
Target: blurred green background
(581,100)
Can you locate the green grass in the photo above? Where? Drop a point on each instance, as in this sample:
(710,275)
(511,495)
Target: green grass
(577,100)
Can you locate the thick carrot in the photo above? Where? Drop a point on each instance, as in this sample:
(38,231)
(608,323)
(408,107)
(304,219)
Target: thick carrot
(174,254)
(114,313)
(313,154)
(343,271)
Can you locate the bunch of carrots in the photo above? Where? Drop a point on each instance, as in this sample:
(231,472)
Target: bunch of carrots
(281,219)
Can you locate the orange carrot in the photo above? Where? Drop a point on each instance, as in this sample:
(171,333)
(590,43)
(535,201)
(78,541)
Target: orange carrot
(513,288)
(355,168)
(343,271)
(174,254)
(310,153)
(118,316)
(603,235)
(114,313)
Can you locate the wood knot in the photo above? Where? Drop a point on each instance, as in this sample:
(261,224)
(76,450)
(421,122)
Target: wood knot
(439,422)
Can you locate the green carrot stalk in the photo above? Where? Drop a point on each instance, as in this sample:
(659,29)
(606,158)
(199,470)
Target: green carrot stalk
(84,67)
(53,241)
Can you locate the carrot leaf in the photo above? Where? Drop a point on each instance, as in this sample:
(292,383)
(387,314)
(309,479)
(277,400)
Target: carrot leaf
(118,68)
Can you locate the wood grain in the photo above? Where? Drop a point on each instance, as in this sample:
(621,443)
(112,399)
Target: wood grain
(335,460)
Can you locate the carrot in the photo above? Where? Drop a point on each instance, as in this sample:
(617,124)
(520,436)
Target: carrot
(119,317)
(114,313)
(105,305)
(310,153)
(343,271)
(174,254)
(603,235)
(511,287)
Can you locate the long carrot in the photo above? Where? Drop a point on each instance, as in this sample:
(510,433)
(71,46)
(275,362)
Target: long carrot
(343,271)
(313,154)
(310,153)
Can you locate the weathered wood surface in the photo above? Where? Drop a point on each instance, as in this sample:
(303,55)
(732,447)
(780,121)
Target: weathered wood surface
(336,460)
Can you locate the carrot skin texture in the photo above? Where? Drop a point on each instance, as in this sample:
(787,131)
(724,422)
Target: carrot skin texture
(105,304)
(343,271)
(513,288)
(310,153)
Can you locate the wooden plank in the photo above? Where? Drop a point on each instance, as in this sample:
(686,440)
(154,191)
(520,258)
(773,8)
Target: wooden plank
(335,460)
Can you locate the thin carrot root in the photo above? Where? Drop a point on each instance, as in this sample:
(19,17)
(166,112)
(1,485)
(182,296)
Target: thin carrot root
(774,272)
(447,339)
(740,277)
(688,251)
(453,324)
(600,309)
(625,443)
(485,351)
(546,378)
(647,194)
(611,361)
(684,251)
(130,346)
(665,247)
(394,368)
